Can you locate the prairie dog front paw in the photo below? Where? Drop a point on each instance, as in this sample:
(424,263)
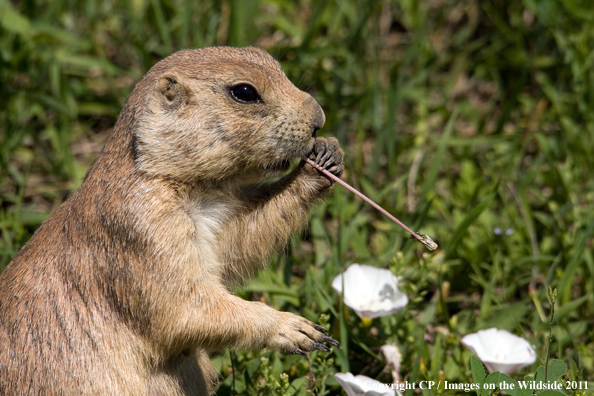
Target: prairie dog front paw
(327,154)
(296,335)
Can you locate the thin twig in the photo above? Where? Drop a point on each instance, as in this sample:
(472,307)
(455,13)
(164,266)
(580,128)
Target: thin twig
(424,239)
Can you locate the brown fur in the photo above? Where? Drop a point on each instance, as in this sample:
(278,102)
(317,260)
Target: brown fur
(123,290)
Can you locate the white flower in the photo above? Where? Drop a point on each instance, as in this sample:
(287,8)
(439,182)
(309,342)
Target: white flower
(500,350)
(392,355)
(361,385)
(371,292)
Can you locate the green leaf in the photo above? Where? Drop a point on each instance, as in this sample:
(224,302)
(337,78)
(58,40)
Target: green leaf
(557,368)
(571,306)
(550,392)
(491,383)
(510,386)
(12,21)
(427,392)
(573,370)
(478,371)
(299,384)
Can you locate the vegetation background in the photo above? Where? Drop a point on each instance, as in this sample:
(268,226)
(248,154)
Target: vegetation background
(471,120)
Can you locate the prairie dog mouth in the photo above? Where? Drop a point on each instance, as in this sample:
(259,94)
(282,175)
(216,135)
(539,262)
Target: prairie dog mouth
(282,164)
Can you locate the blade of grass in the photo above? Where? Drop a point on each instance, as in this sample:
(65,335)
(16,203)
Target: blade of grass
(566,281)
(437,159)
(162,26)
(467,221)
(417,365)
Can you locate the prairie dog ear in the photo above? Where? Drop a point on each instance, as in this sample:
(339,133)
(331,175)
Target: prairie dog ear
(170,91)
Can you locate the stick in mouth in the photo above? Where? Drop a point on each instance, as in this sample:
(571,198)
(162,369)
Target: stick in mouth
(424,239)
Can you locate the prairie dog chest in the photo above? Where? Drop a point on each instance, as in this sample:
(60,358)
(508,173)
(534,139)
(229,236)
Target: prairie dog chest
(211,214)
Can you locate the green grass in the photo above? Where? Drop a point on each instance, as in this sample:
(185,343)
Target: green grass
(456,116)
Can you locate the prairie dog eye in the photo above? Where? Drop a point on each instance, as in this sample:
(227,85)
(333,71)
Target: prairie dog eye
(245,93)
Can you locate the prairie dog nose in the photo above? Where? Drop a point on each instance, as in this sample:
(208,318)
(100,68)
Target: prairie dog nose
(318,116)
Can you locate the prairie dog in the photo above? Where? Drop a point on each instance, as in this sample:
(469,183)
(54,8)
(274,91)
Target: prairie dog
(124,289)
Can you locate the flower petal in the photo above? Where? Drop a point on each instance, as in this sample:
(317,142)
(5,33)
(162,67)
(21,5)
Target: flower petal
(361,385)
(500,350)
(371,292)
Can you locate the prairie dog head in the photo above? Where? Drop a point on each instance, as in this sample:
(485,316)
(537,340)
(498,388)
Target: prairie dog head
(222,113)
